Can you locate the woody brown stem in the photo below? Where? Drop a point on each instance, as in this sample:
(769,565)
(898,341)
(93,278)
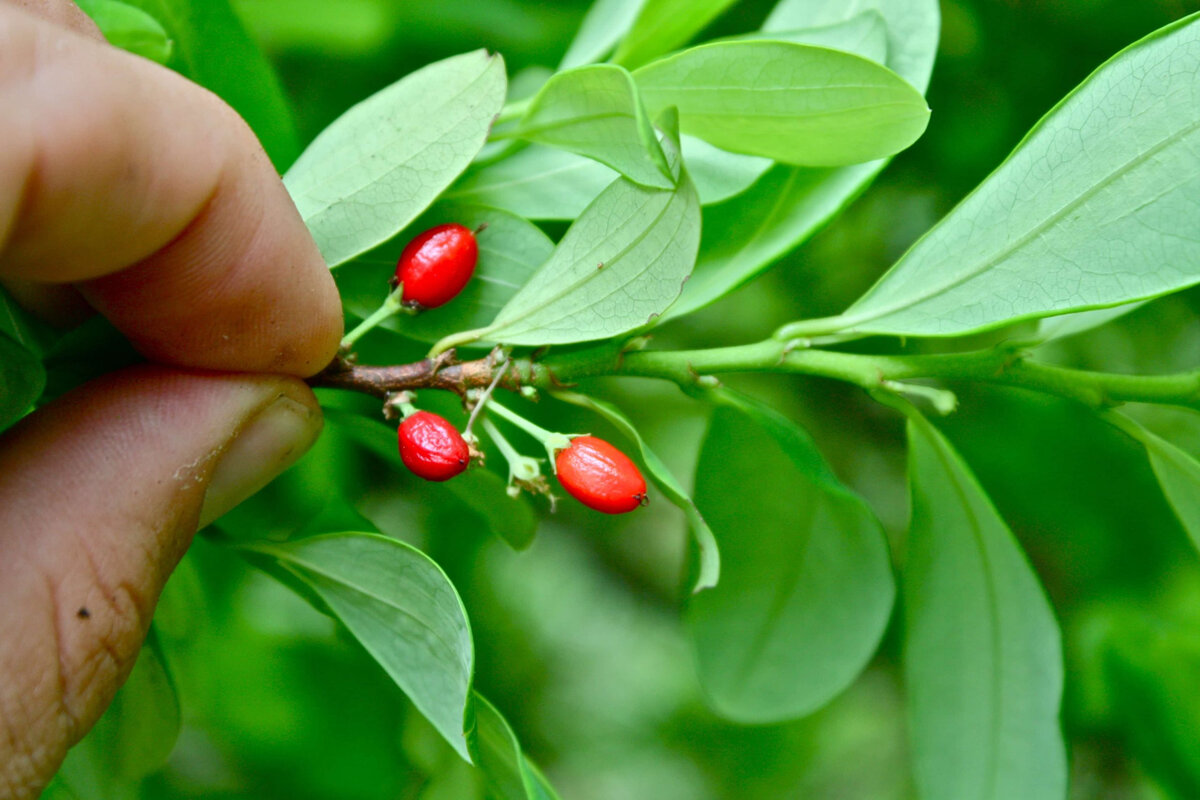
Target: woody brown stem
(431,373)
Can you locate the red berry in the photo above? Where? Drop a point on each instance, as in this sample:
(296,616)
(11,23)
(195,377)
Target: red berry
(436,265)
(600,476)
(432,448)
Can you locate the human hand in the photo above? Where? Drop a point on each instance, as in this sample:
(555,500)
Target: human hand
(124,183)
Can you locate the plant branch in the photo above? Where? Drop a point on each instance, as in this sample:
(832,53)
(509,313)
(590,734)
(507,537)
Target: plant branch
(692,369)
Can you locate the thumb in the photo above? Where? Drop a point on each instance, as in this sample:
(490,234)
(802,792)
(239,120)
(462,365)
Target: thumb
(100,493)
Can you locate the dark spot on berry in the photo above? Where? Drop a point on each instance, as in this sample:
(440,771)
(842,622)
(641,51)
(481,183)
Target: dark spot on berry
(83,613)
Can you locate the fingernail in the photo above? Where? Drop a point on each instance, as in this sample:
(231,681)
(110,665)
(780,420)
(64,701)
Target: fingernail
(265,445)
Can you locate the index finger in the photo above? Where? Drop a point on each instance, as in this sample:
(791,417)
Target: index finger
(155,198)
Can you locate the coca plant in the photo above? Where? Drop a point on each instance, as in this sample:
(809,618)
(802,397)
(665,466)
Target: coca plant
(615,199)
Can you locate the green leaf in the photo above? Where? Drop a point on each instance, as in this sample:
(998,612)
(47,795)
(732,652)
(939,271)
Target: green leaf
(719,174)
(536,183)
(214,50)
(605,23)
(1095,207)
(864,34)
(747,234)
(595,111)
(402,608)
(379,165)
(22,379)
(742,237)
(544,183)
(481,491)
(129,28)
(983,660)
(663,25)
(508,774)
(806,586)
(619,266)
(1177,471)
(1064,325)
(709,568)
(912,28)
(510,251)
(795,103)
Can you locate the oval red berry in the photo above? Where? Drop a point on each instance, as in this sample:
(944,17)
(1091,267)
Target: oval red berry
(600,476)
(436,265)
(432,448)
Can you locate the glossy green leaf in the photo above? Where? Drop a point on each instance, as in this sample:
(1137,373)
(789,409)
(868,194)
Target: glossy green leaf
(507,772)
(536,183)
(129,28)
(403,610)
(747,234)
(663,25)
(806,585)
(510,251)
(605,23)
(1064,325)
(912,28)
(595,111)
(22,379)
(709,568)
(213,49)
(983,657)
(619,266)
(742,237)
(1178,473)
(482,491)
(383,162)
(719,174)
(864,34)
(544,183)
(795,103)
(1095,207)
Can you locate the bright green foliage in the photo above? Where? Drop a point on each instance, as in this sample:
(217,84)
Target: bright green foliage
(213,49)
(401,607)
(806,588)
(595,111)
(982,651)
(795,103)
(383,162)
(604,25)
(129,28)
(1096,207)
(865,35)
(749,233)
(619,266)
(509,776)
(1178,473)
(663,25)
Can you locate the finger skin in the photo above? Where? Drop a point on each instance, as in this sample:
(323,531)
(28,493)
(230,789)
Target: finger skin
(99,497)
(156,199)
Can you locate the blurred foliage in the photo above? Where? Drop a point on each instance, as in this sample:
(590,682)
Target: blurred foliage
(579,640)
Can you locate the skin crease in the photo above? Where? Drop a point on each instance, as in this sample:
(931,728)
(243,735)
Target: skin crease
(600,476)
(437,264)
(123,184)
(432,448)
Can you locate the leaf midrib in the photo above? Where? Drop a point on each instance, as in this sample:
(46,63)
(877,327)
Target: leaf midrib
(1037,230)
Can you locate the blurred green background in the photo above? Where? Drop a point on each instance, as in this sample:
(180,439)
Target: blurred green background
(579,641)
